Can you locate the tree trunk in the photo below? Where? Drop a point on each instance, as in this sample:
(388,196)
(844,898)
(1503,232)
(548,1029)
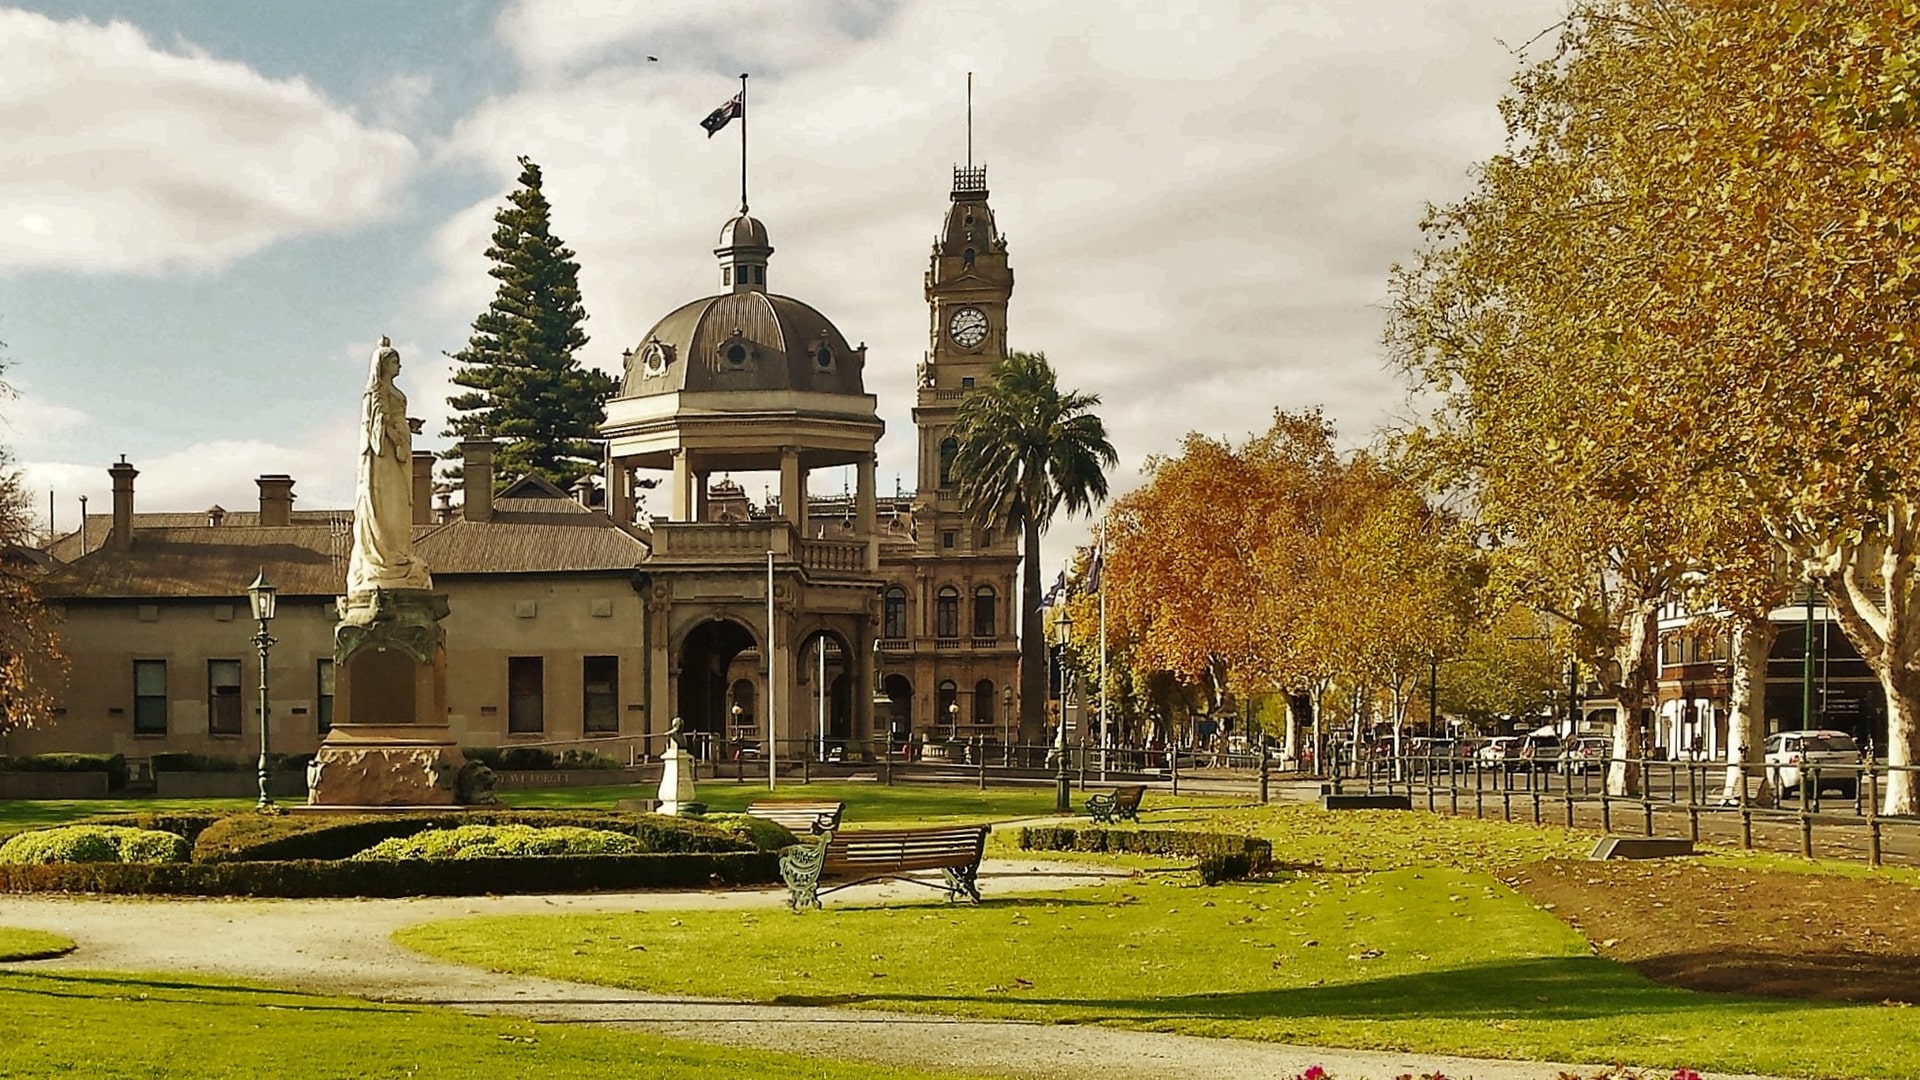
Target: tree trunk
(1033,641)
(1746,704)
(1888,637)
(1637,656)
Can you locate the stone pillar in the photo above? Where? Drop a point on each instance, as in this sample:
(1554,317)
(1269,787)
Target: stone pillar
(682,509)
(122,473)
(700,494)
(793,493)
(620,493)
(863,499)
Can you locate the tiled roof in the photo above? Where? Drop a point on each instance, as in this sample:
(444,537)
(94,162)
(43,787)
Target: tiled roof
(66,548)
(311,559)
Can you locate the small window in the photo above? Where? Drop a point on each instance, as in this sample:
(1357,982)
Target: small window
(824,358)
(737,355)
(895,622)
(949,538)
(949,697)
(600,695)
(726,275)
(984,603)
(149,697)
(223,697)
(967,257)
(946,613)
(759,275)
(526,694)
(949,450)
(966,382)
(323,695)
(983,702)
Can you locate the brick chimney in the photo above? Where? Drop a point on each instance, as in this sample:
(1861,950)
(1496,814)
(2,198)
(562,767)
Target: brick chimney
(476,467)
(121,539)
(423,487)
(276,499)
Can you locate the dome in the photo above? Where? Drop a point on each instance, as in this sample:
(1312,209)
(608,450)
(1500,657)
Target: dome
(742,232)
(746,341)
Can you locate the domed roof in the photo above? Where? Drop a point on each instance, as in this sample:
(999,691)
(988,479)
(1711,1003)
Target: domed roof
(743,232)
(747,340)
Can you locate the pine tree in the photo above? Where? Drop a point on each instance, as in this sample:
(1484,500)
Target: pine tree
(527,388)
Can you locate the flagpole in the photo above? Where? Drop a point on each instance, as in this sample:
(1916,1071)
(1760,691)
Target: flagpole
(1106,737)
(743,142)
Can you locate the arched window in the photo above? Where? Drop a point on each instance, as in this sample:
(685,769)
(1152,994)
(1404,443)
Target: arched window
(949,450)
(894,625)
(983,702)
(946,613)
(983,607)
(949,696)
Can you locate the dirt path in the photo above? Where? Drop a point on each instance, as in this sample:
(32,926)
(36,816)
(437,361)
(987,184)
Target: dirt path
(345,947)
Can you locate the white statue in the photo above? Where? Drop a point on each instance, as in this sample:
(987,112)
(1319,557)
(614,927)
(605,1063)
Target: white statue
(383,496)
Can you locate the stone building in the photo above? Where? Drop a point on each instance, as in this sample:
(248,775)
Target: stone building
(581,618)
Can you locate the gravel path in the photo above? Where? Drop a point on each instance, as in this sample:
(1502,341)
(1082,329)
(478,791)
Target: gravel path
(344,947)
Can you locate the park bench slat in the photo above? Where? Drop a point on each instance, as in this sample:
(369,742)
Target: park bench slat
(802,816)
(1122,804)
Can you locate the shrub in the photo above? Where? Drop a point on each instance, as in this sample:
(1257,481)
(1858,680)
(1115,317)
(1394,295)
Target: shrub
(94,844)
(248,837)
(1220,856)
(114,765)
(764,835)
(403,877)
(503,841)
(588,759)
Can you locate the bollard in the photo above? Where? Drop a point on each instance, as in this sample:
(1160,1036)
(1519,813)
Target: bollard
(1806,818)
(1479,793)
(980,755)
(1873,816)
(886,757)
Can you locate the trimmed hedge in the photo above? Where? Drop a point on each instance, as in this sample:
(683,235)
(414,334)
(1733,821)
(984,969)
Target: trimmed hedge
(538,758)
(1221,856)
(114,765)
(409,877)
(504,841)
(187,824)
(764,835)
(274,837)
(93,844)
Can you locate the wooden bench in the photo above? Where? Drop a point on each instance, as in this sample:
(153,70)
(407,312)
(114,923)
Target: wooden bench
(1122,804)
(886,854)
(801,817)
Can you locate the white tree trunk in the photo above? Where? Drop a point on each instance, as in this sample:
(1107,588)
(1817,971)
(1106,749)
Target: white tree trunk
(1887,636)
(1636,654)
(1746,704)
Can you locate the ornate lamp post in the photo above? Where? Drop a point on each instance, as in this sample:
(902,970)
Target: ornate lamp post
(1061,800)
(261,595)
(732,729)
(953,721)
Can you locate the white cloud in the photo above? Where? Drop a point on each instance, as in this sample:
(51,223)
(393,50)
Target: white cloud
(118,155)
(555,38)
(29,420)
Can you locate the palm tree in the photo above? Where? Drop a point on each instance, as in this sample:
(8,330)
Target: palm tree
(1027,450)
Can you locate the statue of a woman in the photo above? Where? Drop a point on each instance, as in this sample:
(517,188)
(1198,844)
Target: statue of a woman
(383,497)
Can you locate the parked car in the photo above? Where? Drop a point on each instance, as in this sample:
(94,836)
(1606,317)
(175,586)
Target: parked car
(1538,751)
(1501,750)
(1585,753)
(1833,753)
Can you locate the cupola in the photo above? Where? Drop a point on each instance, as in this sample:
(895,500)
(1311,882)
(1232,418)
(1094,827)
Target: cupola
(743,254)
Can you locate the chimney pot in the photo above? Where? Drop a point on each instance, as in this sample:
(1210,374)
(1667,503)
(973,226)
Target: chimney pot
(121,539)
(476,468)
(276,499)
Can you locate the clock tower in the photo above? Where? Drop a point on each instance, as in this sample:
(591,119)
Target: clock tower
(967,288)
(949,644)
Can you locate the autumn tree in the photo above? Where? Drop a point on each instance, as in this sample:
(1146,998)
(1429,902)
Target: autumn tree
(525,385)
(31,663)
(1027,451)
(1700,231)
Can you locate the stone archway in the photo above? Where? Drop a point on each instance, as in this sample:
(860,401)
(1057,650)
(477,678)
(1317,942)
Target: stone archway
(705,657)
(824,699)
(899,717)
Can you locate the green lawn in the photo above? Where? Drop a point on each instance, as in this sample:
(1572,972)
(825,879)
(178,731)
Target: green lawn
(17,944)
(109,1026)
(1404,941)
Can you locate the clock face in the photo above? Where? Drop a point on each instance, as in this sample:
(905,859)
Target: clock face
(968,327)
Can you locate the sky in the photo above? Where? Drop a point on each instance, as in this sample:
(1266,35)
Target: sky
(210,211)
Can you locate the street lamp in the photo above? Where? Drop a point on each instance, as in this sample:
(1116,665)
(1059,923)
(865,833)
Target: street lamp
(953,721)
(1006,720)
(732,731)
(1061,802)
(261,595)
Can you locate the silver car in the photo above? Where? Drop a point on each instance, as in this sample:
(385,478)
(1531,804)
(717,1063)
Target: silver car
(1834,755)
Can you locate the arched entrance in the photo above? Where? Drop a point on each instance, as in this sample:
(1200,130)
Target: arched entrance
(706,654)
(900,708)
(826,693)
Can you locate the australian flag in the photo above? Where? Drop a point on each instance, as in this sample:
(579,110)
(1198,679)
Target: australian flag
(718,118)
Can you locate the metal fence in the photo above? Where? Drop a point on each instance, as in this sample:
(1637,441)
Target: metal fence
(1834,809)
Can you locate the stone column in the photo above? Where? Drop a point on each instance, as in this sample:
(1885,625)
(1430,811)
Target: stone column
(863,505)
(700,479)
(620,493)
(793,492)
(682,509)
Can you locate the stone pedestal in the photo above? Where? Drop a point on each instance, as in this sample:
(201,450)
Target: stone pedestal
(390,744)
(676,779)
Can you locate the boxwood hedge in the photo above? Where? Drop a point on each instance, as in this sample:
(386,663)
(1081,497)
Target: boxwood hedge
(93,844)
(1220,856)
(409,877)
(504,841)
(273,837)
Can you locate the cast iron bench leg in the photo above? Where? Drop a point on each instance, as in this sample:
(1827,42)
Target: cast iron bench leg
(800,865)
(961,882)
(1100,809)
